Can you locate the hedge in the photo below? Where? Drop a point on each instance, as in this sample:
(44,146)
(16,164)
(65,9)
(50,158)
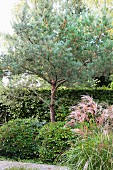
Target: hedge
(30,139)
(25,103)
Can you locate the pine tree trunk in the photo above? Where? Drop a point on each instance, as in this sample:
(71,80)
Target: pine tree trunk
(52,102)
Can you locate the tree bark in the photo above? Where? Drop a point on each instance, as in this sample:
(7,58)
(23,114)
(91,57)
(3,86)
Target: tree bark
(52,102)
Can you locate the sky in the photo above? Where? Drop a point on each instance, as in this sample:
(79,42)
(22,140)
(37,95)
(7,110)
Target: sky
(6,15)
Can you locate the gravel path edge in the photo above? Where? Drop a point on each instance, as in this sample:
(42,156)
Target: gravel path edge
(33,166)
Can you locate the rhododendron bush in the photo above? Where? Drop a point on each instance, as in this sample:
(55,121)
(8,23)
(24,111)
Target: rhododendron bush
(88,112)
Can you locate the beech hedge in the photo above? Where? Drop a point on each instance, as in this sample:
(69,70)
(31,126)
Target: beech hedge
(25,103)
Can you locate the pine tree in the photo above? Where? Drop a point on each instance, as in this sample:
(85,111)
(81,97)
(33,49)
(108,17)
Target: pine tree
(59,46)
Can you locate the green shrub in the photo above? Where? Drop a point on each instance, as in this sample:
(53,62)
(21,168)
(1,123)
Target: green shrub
(54,140)
(4,113)
(92,153)
(18,138)
(25,102)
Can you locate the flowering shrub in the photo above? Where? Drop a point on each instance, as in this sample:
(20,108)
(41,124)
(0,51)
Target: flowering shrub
(88,111)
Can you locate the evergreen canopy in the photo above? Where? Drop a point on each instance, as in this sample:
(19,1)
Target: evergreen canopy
(60,45)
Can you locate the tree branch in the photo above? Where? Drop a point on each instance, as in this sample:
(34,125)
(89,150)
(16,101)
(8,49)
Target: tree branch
(59,82)
(41,98)
(38,74)
(29,40)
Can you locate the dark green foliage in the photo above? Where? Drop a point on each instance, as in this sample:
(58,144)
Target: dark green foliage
(18,138)
(24,103)
(54,140)
(4,113)
(27,139)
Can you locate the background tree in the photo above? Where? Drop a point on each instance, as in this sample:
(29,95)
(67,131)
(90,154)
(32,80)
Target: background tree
(59,46)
